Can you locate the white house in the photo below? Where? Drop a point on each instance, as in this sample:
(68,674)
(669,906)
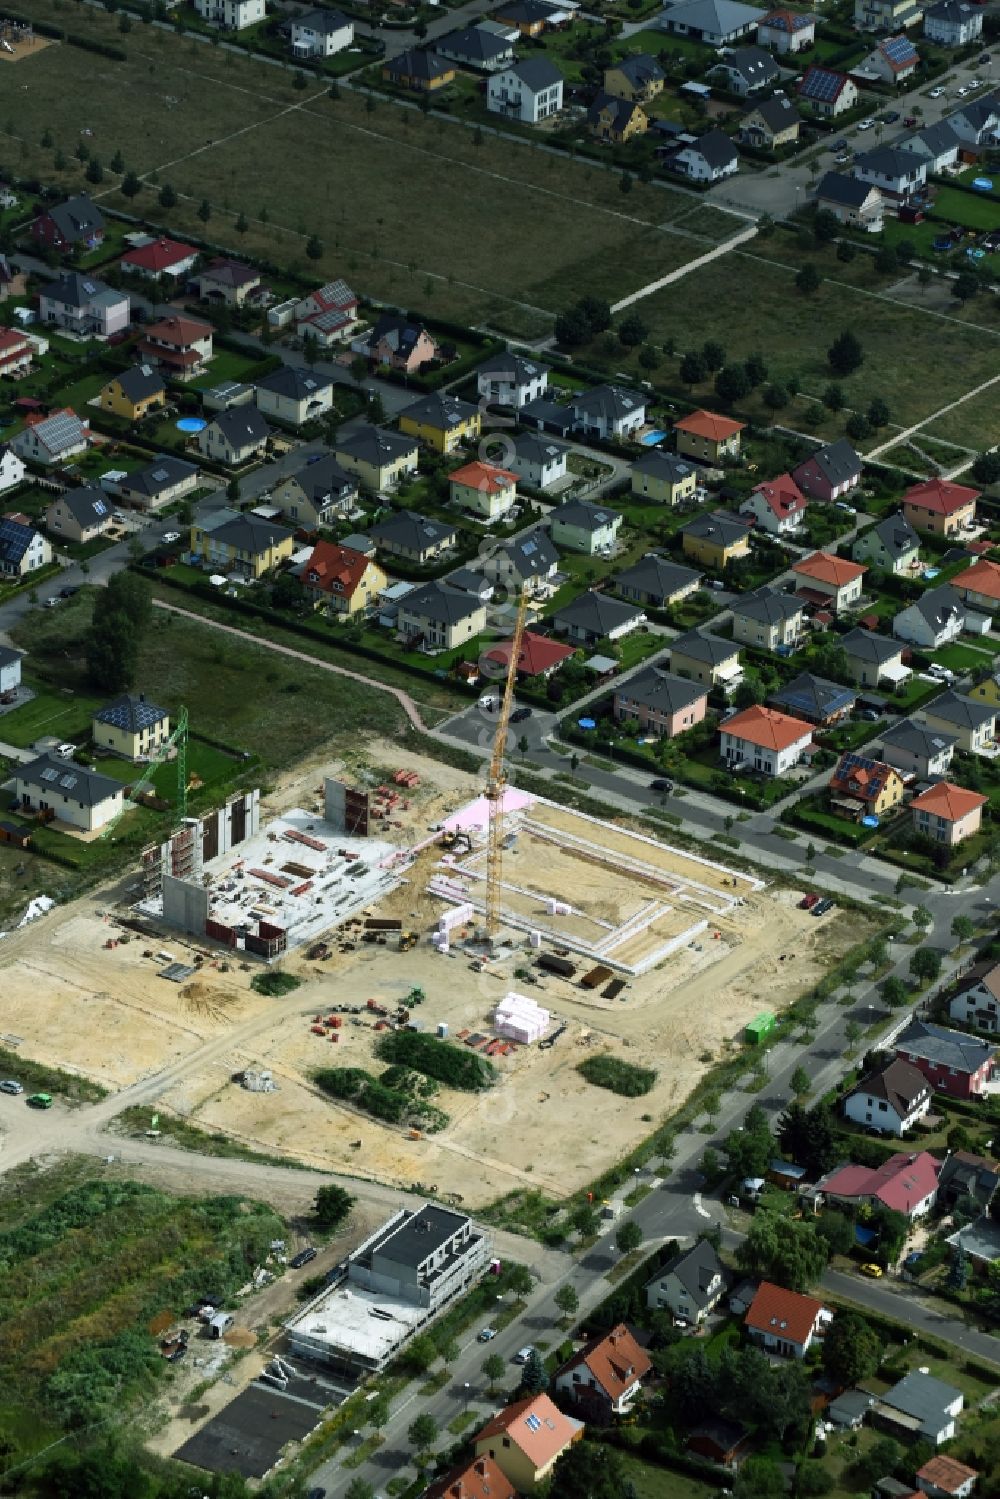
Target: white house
(935,618)
(765,740)
(530,91)
(321,33)
(978,123)
(294,395)
(717,23)
(708,159)
(784,1322)
(536,460)
(896,174)
(608,411)
(976,1001)
(53,439)
(690,1285)
(511,380)
(23,550)
(10,669)
(951,23)
(80,797)
(928,1407)
(787,30)
(936,145)
(890,1101)
(777,505)
(579,527)
(235,436)
(232,15)
(893,61)
(12,469)
(745,70)
(605,1375)
(84,306)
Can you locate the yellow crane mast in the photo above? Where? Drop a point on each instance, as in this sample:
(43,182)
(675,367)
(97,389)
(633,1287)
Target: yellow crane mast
(497,783)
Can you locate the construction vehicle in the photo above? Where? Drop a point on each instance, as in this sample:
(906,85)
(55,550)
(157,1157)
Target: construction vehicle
(408,940)
(497,783)
(416,996)
(454,839)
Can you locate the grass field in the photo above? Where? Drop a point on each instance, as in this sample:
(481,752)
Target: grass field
(962,208)
(975,423)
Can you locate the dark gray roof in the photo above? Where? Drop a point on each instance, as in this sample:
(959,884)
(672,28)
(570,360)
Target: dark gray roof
(249,533)
(413,532)
(76,218)
(324,480)
(768,606)
(229,272)
(834,187)
(949,10)
(716,148)
(888,161)
(531,556)
(533,447)
(701,646)
(375,445)
(695,1268)
(963,712)
(241,425)
(916,738)
(814,695)
(837,460)
(938,606)
(662,465)
(900,1084)
(777,112)
(937,138)
(163,473)
(296,384)
(536,73)
(596,612)
(896,535)
(59,777)
(657,575)
(419,64)
(8,656)
(547,412)
(400,333)
(717,17)
(973,1174)
(865,645)
(426,1230)
(935,1043)
(76,289)
(622,110)
(719,526)
(140,382)
(440,410)
(87,505)
(512,367)
(474,44)
(612,402)
(584,516)
(850,1407)
(440,602)
(640,69)
(131,713)
(327,22)
(752,63)
(921,1396)
(660,690)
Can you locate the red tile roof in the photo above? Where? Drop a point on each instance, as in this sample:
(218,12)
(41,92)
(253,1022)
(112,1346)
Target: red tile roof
(179,331)
(538,653)
(941,497)
(826,568)
(785,1314)
(946,1473)
(485,477)
(900,1183)
(334,569)
(478,1479)
(982,577)
(709,424)
(766,727)
(616,1361)
(535,1426)
(11,339)
(949,801)
(862,778)
(782,495)
(158,254)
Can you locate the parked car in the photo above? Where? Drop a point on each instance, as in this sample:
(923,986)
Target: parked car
(39,1101)
(840,145)
(866,124)
(867,715)
(824,905)
(66,751)
(10,1086)
(520,714)
(487,1335)
(809,900)
(984,58)
(171,536)
(302,1258)
(873,1271)
(891,117)
(523,1354)
(935,93)
(843,157)
(661,784)
(52,602)
(67,593)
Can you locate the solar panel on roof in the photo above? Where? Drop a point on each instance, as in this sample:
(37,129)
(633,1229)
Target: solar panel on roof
(822,86)
(68,781)
(100,508)
(49,774)
(160,475)
(529,547)
(533,1422)
(899,49)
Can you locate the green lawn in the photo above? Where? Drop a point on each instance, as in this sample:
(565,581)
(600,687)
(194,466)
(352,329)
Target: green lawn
(63,713)
(227,364)
(959,657)
(963,208)
(664,1483)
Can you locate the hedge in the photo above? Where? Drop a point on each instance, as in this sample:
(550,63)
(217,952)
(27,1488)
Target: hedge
(442,1060)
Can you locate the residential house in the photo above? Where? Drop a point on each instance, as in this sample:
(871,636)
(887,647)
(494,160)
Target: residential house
(987,691)
(77,224)
(980,1241)
(937,145)
(13,281)
(893,61)
(940,507)
(604,1377)
(947,813)
(968,1180)
(890,1100)
(317,495)
(706,658)
(708,437)
(827,92)
(716,538)
(181,345)
(84,306)
(891,546)
(593,616)
(79,514)
(294,395)
(951,23)
(886,15)
(546,414)
(831,581)
(535,460)
(864,787)
(442,421)
(528,563)
(530,91)
(717,23)
(829,473)
(228,282)
(511,380)
(976,999)
(483,489)
(690,1285)
(725,1443)
(932,620)
(770,742)
(160,260)
(745,70)
(12,469)
(231,15)
(579,526)
(16,354)
(401,344)
(79,797)
(159,483)
(526,1439)
(477,47)
(329,314)
(23,550)
(787,31)
(134,393)
(378,457)
(814,700)
(438,616)
(656,582)
(951,1061)
(530,17)
(662,704)
(917,750)
(539,656)
(853,203)
(658,475)
(608,411)
(52,438)
(320,33)
(784,1322)
(771,123)
(777,505)
(708,158)
(898,175)
(246,544)
(873,658)
(234,437)
(972,723)
(979,586)
(977,123)
(479,1478)
(413,537)
(920,1406)
(615,119)
(946,1478)
(10,669)
(130,726)
(341,579)
(769,620)
(422,72)
(905,1183)
(638,78)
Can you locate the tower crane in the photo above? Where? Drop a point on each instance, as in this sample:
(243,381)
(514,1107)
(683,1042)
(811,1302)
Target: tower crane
(497,783)
(179,740)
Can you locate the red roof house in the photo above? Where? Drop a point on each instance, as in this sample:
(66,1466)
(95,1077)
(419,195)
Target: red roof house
(708,435)
(905,1183)
(182,345)
(979,585)
(777,505)
(540,655)
(945,1477)
(948,813)
(15,352)
(344,579)
(939,506)
(161,257)
(783,1321)
(827,579)
(606,1375)
(526,1439)
(478,1479)
(771,741)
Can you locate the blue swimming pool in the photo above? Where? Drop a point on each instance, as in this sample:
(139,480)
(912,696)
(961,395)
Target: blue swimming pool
(191,423)
(652,438)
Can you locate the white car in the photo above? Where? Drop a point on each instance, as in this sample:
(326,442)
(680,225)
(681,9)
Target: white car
(66,751)
(866,124)
(171,536)
(523,1354)
(935,93)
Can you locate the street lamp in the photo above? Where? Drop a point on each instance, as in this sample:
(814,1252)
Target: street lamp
(466,1387)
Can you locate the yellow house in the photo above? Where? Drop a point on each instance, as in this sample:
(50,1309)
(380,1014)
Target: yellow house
(637,79)
(987,692)
(380,459)
(863,787)
(940,507)
(665,477)
(617,120)
(526,1439)
(130,726)
(703,657)
(716,538)
(249,545)
(342,579)
(772,123)
(420,70)
(133,393)
(441,421)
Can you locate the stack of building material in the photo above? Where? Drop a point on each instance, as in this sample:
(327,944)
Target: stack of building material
(520,1018)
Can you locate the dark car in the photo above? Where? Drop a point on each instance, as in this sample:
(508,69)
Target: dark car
(985,57)
(316,1493)
(661,785)
(892,117)
(841,145)
(520,714)
(67,593)
(302,1258)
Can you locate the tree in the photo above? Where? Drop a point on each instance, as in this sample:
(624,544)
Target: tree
(845,354)
(204,210)
(242,224)
(826,226)
(167,197)
(649,359)
(631,331)
(958,1271)
(895,991)
(422,1431)
(713,354)
(233,491)
(571,328)
(628,1236)
(962,927)
(812,1481)
(986,468)
(925,964)
(878,413)
(358,1488)
(852,1033)
(130,185)
(851,1349)
(94,172)
(693,368)
(519,1279)
(420,1353)
(494,1368)
(887,261)
(965,286)
(731,384)
(749,1149)
(801,1083)
(809,1136)
(808,279)
(775,396)
(759,1478)
(567,1300)
(755,369)
(299,80)
(117,163)
(588,1470)
(846,252)
(625,183)
(783,1250)
(331,1207)
(314,247)
(533,1376)
(112,654)
(838,1231)
(833,398)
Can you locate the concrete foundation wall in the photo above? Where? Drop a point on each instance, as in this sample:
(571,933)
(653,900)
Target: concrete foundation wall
(185,905)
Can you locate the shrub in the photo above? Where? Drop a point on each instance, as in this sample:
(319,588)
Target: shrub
(274,984)
(438,1059)
(617,1076)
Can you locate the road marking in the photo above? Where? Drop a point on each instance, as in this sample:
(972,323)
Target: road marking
(703,1211)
